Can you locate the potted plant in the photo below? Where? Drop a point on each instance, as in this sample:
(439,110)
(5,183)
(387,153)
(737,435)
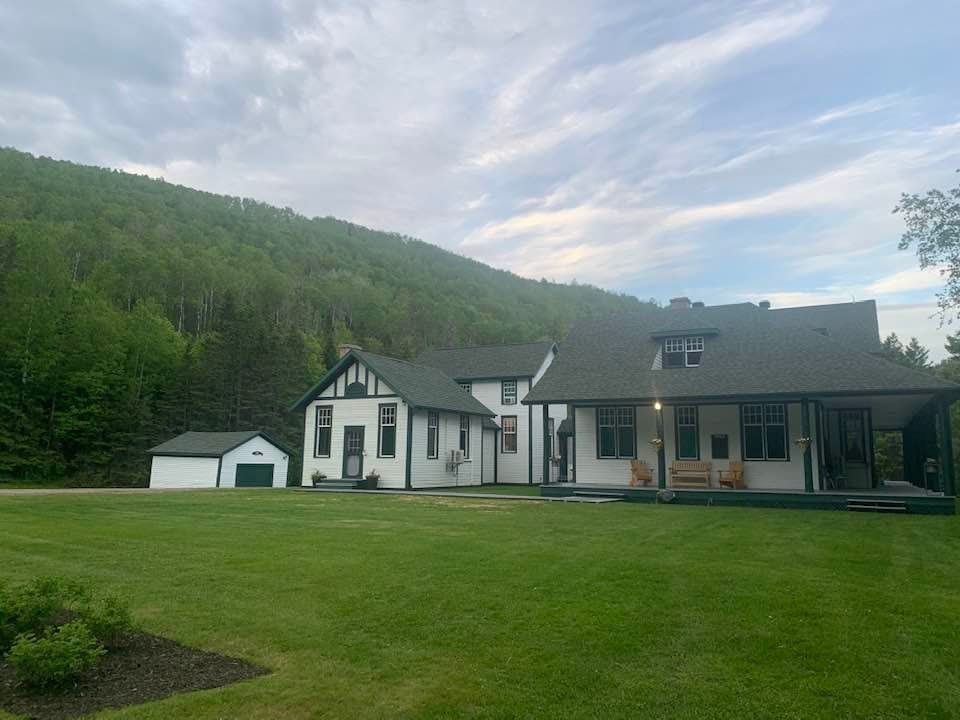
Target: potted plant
(372,478)
(317,477)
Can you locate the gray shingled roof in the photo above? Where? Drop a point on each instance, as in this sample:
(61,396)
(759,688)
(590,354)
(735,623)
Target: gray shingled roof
(753,354)
(853,323)
(419,385)
(209,444)
(488,361)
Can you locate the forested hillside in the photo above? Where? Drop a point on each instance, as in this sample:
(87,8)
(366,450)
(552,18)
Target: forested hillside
(134,310)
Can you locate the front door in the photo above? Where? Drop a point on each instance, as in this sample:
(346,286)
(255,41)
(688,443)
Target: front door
(855,456)
(353,451)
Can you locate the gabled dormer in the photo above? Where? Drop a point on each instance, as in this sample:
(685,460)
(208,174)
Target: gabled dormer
(682,348)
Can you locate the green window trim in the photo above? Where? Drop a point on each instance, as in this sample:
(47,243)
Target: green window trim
(508,428)
(765,427)
(323,433)
(616,429)
(387,430)
(508,392)
(465,436)
(433,434)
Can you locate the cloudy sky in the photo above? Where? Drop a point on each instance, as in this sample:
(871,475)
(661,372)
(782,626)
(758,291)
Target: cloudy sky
(723,150)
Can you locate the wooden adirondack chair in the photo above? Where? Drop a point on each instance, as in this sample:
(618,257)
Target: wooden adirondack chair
(640,473)
(732,478)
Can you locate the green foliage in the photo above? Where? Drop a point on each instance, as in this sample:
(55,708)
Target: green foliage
(134,310)
(32,607)
(933,229)
(913,354)
(108,618)
(60,655)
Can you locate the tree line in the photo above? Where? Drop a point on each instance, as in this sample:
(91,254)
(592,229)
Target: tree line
(134,309)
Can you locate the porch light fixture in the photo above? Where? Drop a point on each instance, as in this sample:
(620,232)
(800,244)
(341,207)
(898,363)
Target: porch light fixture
(802,442)
(657,443)
(657,406)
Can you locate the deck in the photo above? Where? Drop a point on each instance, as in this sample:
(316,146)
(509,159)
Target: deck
(901,497)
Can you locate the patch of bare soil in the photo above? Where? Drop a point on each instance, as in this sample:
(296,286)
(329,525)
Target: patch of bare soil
(146,667)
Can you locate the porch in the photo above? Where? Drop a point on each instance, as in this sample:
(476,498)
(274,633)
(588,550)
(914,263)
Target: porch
(905,499)
(771,451)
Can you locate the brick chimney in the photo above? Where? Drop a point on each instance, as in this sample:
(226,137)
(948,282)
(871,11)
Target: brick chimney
(764,304)
(345,348)
(680,303)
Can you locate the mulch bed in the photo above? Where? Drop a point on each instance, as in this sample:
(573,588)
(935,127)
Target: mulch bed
(146,667)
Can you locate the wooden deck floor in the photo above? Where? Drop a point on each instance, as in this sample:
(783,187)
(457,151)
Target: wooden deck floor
(913,499)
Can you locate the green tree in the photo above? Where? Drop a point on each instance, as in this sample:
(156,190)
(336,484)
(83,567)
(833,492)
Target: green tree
(134,310)
(933,229)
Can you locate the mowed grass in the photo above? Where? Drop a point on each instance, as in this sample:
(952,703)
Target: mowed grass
(423,607)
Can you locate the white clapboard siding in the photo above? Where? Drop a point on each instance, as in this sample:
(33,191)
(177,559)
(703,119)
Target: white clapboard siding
(712,419)
(363,412)
(432,472)
(270,454)
(183,472)
(512,468)
(489,456)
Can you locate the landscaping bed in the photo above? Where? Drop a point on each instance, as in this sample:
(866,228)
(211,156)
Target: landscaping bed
(142,668)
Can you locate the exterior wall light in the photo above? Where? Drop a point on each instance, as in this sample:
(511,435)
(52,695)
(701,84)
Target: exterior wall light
(657,406)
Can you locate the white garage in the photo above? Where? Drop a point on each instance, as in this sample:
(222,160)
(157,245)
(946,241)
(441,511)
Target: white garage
(219,459)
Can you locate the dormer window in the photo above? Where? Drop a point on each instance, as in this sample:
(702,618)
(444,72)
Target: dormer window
(681,352)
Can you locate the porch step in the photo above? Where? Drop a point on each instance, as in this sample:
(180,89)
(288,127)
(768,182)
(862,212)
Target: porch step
(876,505)
(599,494)
(340,484)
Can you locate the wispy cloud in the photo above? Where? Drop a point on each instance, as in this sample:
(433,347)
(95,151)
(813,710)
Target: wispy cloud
(649,147)
(864,107)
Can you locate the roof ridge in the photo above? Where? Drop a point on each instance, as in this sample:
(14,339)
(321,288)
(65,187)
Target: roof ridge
(395,359)
(491,345)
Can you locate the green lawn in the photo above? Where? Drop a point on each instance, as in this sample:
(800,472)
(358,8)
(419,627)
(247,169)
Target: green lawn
(403,607)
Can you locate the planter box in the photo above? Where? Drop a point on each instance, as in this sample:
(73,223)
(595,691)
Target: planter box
(370,482)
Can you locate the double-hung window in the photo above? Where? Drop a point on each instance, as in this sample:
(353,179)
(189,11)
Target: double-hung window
(508,433)
(324,430)
(688,441)
(681,352)
(387,440)
(433,433)
(465,435)
(615,432)
(765,432)
(508,392)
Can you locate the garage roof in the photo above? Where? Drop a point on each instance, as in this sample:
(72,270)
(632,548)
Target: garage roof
(210,444)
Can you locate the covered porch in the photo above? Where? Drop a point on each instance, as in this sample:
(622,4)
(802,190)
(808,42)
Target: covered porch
(730,450)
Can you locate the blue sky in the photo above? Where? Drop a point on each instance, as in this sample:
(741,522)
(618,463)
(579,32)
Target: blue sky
(726,150)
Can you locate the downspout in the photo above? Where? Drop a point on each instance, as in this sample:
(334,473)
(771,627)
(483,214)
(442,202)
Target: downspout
(408,480)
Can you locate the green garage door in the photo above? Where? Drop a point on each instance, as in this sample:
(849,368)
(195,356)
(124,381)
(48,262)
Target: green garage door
(254,475)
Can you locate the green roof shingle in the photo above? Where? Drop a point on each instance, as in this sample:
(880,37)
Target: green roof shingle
(755,352)
(209,444)
(420,386)
(489,361)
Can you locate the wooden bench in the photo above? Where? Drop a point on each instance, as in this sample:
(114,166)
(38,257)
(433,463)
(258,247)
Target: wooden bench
(690,473)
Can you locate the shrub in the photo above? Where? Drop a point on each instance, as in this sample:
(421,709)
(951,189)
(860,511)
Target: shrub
(62,654)
(107,617)
(33,606)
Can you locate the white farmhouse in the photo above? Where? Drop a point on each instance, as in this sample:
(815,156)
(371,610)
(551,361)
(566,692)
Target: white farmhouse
(500,376)
(409,424)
